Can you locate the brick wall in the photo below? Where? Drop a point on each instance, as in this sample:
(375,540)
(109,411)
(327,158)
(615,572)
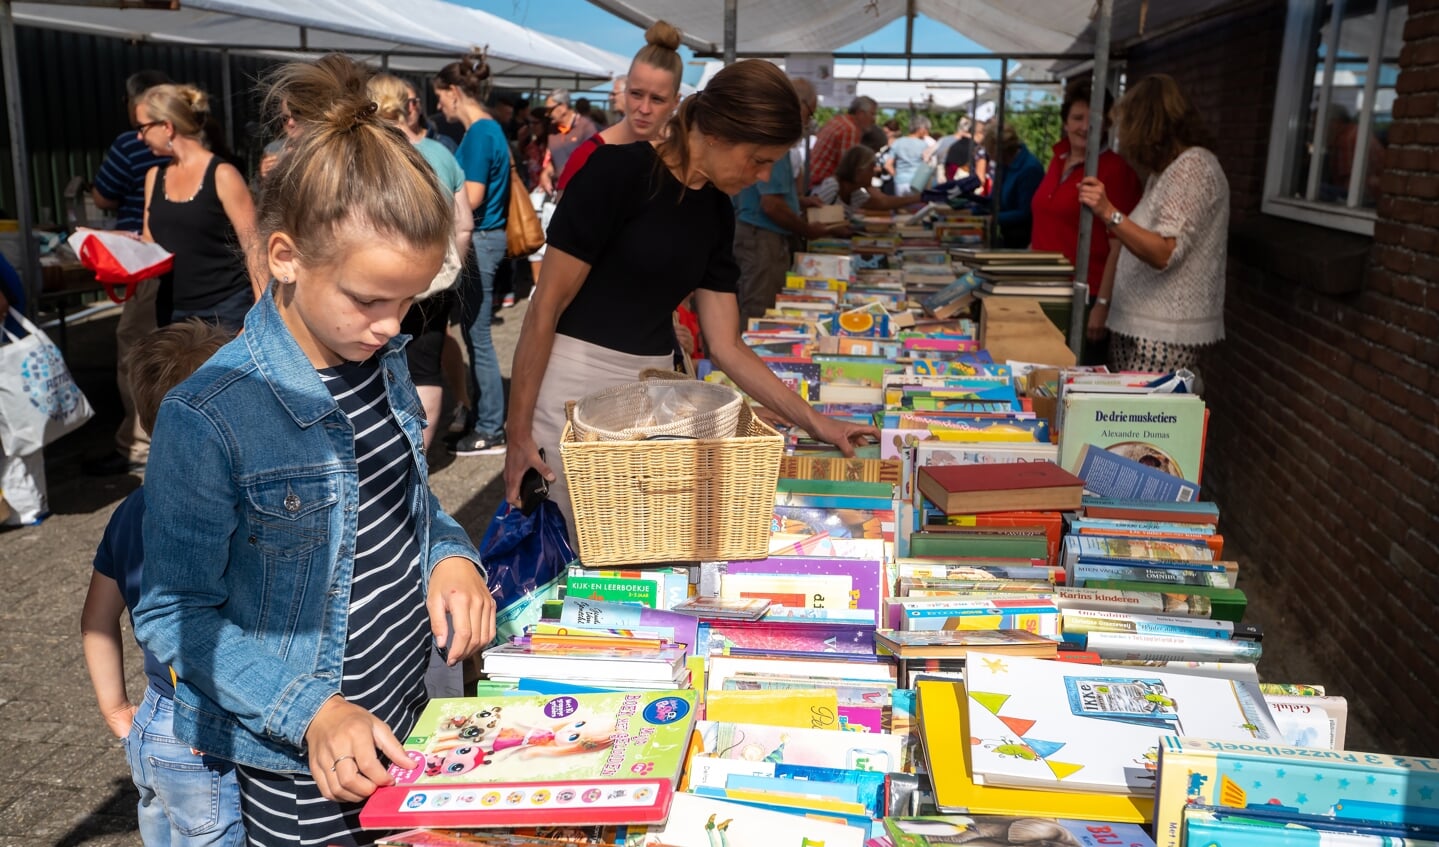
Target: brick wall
(1325,431)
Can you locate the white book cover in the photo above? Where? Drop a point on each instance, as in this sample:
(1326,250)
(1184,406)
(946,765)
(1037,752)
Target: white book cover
(820,748)
(1063,727)
(696,821)
(722,668)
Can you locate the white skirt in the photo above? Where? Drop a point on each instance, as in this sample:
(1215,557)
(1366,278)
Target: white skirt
(576,369)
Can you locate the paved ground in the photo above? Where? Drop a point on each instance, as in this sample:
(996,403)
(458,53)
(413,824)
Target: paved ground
(67,783)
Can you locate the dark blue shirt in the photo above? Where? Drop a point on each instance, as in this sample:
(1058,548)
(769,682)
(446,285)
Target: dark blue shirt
(121,179)
(121,557)
(1021,178)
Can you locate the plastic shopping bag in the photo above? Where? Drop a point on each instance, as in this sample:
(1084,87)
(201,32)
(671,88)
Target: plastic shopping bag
(22,490)
(526,557)
(39,402)
(119,260)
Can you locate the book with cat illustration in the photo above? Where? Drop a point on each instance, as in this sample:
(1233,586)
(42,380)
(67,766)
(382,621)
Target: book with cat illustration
(584,758)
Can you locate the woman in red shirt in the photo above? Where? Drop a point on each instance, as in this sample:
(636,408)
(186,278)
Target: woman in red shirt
(1056,210)
(652,91)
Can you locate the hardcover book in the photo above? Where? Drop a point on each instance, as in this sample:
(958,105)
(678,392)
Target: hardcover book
(522,760)
(710,822)
(945,736)
(964,489)
(1164,431)
(995,829)
(1275,779)
(1064,727)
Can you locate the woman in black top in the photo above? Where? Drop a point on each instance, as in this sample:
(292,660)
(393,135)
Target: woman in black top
(638,230)
(198,207)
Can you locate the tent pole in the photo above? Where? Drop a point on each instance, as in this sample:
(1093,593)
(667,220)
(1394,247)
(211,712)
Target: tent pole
(227,94)
(1099,79)
(996,162)
(731,16)
(909,40)
(20,158)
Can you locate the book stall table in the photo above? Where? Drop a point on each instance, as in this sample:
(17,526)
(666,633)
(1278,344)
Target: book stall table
(1008,622)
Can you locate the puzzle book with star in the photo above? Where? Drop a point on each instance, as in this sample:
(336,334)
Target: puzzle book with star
(1063,727)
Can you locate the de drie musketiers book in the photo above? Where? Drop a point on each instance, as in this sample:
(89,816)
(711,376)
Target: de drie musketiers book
(592,758)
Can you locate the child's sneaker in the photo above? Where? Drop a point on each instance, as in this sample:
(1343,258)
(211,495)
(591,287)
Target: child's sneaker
(508,302)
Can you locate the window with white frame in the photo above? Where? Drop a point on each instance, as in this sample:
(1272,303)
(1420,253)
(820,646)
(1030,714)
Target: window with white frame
(1332,111)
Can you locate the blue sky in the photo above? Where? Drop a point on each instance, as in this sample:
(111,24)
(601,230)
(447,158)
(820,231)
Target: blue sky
(583,21)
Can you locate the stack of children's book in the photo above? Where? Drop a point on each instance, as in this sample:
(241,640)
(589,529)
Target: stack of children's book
(1000,625)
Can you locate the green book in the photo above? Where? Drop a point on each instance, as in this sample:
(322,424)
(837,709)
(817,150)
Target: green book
(844,488)
(1226,604)
(614,590)
(979,545)
(1164,431)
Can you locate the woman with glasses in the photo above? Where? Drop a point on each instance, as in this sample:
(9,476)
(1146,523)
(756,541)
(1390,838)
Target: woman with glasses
(199,208)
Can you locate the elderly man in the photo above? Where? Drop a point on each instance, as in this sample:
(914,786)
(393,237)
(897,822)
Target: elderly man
(769,214)
(571,128)
(841,133)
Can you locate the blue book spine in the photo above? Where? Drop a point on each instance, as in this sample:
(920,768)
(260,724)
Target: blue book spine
(1083,573)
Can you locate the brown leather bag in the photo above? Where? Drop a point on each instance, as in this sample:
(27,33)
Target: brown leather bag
(523,233)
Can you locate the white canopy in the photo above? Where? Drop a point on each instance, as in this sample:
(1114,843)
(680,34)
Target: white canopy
(414,35)
(825,26)
(930,86)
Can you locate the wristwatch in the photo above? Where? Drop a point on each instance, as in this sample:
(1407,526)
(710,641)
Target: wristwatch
(1116,218)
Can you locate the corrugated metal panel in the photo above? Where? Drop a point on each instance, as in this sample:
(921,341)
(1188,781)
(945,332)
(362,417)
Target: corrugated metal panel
(73,90)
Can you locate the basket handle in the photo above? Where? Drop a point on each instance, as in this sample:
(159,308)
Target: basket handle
(646,484)
(661,373)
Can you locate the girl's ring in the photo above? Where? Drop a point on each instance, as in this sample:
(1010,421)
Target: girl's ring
(338,761)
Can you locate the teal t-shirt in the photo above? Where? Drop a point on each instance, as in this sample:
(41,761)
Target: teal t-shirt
(442,161)
(781,181)
(484,156)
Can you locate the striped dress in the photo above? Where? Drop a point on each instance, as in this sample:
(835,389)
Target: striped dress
(389,636)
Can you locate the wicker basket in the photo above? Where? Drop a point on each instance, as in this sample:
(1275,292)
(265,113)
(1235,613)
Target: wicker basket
(674,500)
(632,411)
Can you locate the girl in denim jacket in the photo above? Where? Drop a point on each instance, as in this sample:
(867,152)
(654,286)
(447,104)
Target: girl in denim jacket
(298,570)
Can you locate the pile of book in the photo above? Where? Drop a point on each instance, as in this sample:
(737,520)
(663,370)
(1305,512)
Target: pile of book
(1009,622)
(1044,275)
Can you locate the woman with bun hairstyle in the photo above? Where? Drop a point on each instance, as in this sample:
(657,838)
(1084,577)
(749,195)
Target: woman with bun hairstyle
(428,318)
(199,208)
(298,569)
(484,154)
(641,228)
(651,93)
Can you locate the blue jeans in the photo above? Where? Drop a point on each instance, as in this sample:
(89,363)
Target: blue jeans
(185,798)
(477,299)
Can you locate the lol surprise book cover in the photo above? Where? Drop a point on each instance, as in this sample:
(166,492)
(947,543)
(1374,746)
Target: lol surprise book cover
(586,758)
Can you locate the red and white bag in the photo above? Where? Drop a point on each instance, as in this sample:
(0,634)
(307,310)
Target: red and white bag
(120,260)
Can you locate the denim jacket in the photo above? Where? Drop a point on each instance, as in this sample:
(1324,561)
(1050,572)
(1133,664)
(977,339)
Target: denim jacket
(251,499)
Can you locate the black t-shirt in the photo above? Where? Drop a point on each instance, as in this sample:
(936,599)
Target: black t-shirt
(648,243)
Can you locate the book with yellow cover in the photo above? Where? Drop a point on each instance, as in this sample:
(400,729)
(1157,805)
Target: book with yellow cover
(944,733)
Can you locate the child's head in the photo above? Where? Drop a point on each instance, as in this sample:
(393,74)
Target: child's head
(165,358)
(353,222)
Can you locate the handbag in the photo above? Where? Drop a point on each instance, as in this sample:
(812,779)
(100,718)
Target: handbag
(39,401)
(523,233)
(923,175)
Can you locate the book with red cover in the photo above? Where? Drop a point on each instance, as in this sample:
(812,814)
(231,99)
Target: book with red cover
(1035,486)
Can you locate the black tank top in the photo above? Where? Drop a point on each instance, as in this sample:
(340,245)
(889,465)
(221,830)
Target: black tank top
(209,264)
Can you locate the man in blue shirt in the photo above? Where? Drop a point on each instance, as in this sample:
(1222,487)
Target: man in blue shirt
(120,187)
(768,216)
